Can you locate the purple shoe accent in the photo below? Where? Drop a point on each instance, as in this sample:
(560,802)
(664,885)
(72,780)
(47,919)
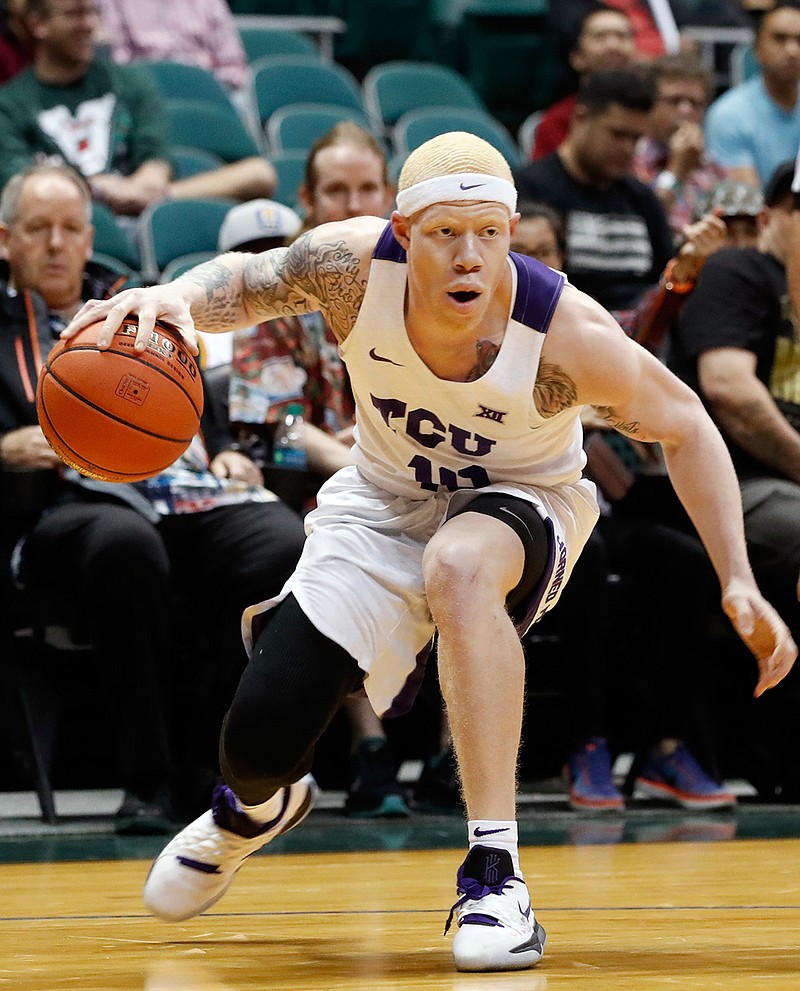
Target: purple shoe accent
(494,866)
(284,805)
(227,814)
(198,865)
(477,919)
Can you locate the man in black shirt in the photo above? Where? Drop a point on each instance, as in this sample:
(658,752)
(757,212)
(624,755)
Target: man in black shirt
(737,344)
(618,237)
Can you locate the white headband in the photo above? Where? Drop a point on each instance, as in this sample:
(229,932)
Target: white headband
(459,186)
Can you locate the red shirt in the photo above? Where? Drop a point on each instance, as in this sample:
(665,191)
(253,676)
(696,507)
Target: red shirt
(552,128)
(649,43)
(13,57)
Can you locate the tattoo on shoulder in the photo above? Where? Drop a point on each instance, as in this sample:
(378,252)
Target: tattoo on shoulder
(329,272)
(631,428)
(554,390)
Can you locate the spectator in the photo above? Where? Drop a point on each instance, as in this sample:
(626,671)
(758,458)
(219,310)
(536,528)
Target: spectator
(711,13)
(618,238)
(652,22)
(604,40)
(672,159)
(107,121)
(195,32)
(665,573)
(205,528)
(729,218)
(15,48)
(740,205)
(736,345)
(296,358)
(755,126)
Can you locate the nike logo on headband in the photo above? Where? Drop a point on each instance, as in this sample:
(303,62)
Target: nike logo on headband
(473,186)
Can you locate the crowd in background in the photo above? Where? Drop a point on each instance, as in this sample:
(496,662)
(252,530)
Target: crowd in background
(659,183)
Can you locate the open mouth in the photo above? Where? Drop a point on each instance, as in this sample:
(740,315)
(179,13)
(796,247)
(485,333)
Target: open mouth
(464,297)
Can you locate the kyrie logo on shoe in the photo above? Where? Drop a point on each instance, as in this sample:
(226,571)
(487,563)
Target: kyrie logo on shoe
(490,872)
(487,413)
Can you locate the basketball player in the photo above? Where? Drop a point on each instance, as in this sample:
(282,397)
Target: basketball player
(465,512)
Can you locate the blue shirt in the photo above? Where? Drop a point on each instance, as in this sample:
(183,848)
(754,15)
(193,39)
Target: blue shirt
(746,127)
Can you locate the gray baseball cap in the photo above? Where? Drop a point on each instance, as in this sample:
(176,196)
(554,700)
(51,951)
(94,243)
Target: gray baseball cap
(734,199)
(255,221)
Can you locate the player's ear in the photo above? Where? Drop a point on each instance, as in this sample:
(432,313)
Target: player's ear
(400,226)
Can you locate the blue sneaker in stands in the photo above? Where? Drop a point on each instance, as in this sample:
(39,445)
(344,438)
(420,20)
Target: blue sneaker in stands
(679,778)
(497,929)
(588,773)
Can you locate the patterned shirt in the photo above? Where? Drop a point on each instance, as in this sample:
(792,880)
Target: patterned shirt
(651,160)
(287,360)
(194,32)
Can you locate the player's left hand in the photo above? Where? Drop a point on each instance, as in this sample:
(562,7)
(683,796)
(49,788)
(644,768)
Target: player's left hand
(764,632)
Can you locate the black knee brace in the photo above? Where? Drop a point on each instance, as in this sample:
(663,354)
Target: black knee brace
(295,682)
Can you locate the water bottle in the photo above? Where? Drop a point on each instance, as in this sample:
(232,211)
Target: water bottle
(289,447)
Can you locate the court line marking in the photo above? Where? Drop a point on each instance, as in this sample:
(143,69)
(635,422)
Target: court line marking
(540,909)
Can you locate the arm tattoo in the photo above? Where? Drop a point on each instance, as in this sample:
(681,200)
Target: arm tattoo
(281,283)
(216,279)
(630,428)
(554,390)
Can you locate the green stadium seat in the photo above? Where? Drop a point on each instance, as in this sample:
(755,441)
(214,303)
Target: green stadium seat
(175,228)
(395,88)
(297,126)
(279,80)
(418,126)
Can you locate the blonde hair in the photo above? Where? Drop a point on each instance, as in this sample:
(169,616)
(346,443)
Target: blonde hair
(450,154)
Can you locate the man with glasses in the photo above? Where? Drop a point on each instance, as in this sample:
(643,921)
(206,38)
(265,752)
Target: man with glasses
(672,157)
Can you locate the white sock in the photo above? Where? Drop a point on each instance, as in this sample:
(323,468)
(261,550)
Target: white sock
(266,811)
(498,833)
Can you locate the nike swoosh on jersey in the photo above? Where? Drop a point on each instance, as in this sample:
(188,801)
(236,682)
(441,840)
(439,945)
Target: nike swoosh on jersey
(379,357)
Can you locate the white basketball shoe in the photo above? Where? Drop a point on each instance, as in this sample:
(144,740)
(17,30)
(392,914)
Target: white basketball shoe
(196,868)
(497,929)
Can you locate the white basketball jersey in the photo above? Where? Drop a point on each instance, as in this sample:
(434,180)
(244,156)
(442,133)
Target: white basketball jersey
(417,433)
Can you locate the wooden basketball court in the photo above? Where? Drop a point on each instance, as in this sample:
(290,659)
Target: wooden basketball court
(629,917)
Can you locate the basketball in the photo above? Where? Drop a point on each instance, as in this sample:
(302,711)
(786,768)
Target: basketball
(120,415)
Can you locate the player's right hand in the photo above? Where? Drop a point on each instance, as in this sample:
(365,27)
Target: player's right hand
(163,302)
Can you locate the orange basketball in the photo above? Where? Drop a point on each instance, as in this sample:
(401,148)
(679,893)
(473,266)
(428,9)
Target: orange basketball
(120,415)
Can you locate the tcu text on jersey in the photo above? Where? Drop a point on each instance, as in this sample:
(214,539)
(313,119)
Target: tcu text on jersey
(425,428)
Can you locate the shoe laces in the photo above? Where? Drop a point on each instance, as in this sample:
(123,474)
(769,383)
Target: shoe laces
(205,841)
(471,889)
